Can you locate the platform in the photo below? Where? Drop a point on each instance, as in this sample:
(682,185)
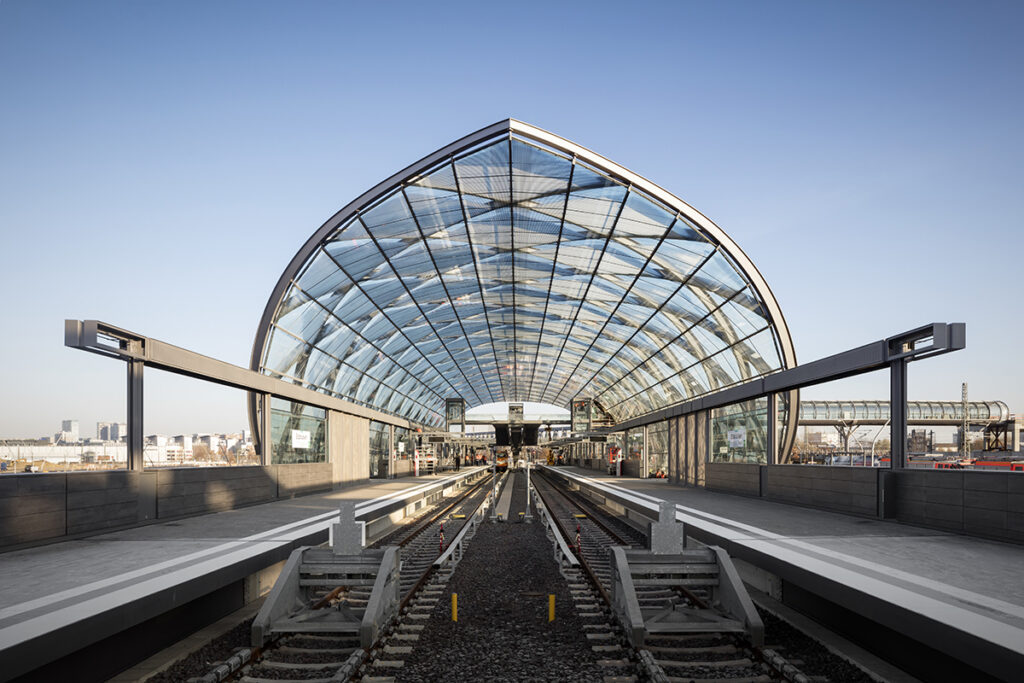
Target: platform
(955,594)
(58,598)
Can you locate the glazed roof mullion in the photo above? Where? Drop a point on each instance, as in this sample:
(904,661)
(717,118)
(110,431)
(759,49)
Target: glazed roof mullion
(569,256)
(405,203)
(693,328)
(476,269)
(512,231)
(451,300)
(643,324)
(357,286)
(639,272)
(593,274)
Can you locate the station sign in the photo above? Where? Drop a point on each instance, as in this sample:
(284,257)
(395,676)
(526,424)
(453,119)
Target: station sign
(737,438)
(580,411)
(515,414)
(300,438)
(435,439)
(598,439)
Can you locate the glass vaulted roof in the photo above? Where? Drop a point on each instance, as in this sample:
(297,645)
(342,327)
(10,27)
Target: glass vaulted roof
(514,265)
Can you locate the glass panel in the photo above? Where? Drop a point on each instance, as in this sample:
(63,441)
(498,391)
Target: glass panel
(298,432)
(657,450)
(380,434)
(738,432)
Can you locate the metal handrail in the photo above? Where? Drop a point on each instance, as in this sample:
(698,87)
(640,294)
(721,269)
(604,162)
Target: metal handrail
(456,543)
(563,554)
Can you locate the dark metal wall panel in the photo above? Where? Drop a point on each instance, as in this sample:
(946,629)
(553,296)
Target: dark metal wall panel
(989,504)
(42,507)
(728,477)
(197,491)
(102,500)
(32,507)
(843,489)
(300,479)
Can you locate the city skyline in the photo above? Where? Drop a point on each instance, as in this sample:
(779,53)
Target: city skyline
(869,167)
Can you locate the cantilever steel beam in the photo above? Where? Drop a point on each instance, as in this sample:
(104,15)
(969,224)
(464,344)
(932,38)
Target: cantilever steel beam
(140,351)
(893,353)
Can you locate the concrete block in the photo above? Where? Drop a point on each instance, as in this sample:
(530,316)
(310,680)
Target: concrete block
(17,506)
(835,500)
(34,527)
(984,520)
(905,491)
(949,514)
(944,496)
(30,484)
(1015,522)
(864,504)
(1015,502)
(945,479)
(986,481)
(986,500)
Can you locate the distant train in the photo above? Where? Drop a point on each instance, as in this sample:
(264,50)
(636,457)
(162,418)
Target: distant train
(501,459)
(961,464)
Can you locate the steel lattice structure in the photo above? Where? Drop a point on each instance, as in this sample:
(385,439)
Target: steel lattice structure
(516,265)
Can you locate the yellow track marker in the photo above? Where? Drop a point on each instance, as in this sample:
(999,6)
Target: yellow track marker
(458,516)
(578,516)
(455,606)
(551,607)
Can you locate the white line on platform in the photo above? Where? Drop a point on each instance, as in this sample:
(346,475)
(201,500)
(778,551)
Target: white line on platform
(1008,635)
(276,536)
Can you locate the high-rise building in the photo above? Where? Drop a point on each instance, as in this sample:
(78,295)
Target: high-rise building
(68,432)
(103,431)
(118,431)
(70,426)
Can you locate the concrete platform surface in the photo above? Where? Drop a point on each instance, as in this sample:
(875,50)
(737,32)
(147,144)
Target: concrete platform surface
(85,587)
(963,595)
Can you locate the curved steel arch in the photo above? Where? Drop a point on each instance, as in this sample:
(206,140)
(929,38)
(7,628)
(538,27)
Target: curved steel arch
(634,184)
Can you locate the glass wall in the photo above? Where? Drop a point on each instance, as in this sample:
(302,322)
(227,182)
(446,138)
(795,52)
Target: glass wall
(657,449)
(635,443)
(379,457)
(738,432)
(298,432)
(405,443)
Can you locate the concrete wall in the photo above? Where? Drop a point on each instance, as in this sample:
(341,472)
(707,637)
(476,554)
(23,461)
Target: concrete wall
(37,507)
(195,491)
(989,504)
(349,447)
(853,490)
(32,506)
(734,478)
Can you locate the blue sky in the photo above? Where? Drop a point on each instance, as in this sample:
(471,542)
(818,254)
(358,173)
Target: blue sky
(162,161)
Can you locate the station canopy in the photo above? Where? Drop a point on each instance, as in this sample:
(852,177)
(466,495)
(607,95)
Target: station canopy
(515,265)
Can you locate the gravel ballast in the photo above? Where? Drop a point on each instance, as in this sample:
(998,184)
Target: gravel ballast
(503,633)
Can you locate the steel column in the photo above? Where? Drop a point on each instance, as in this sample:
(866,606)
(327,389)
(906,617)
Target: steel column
(772,420)
(898,411)
(265,441)
(135,423)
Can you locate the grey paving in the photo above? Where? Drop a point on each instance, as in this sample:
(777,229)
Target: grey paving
(990,568)
(959,594)
(59,597)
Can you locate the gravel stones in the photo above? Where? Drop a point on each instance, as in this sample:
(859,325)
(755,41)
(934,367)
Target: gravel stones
(503,633)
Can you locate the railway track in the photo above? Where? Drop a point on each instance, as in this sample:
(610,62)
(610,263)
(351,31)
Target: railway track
(679,657)
(422,584)
(330,658)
